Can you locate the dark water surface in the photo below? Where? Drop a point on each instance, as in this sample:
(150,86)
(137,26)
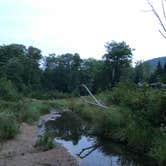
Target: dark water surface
(72,132)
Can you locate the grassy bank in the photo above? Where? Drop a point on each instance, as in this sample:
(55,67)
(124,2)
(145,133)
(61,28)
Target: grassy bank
(135,117)
(12,114)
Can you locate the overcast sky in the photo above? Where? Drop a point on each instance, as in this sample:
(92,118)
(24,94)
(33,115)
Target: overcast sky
(82,26)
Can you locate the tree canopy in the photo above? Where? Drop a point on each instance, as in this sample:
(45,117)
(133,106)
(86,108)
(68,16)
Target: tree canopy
(21,68)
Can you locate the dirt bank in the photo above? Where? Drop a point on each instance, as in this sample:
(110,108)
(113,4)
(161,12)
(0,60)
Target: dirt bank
(20,151)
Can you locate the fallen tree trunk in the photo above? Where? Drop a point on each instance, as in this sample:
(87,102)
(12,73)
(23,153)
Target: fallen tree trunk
(96,102)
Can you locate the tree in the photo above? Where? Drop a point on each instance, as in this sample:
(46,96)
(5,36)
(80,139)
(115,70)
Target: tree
(160,15)
(164,67)
(92,74)
(142,71)
(117,59)
(21,66)
(159,68)
(34,53)
(7,52)
(62,72)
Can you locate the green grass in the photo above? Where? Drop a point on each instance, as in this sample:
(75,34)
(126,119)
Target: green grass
(9,126)
(45,142)
(12,114)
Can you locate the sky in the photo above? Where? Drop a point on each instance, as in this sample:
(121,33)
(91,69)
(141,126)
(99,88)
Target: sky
(81,26)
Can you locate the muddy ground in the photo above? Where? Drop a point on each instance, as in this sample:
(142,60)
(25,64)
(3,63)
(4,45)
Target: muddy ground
(20,151)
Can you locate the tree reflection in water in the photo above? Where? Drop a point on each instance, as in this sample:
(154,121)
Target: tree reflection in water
(70,127)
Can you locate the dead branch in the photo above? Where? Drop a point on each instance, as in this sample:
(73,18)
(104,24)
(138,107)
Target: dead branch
(96,102)
(163,8)
(89,150)
(161,21)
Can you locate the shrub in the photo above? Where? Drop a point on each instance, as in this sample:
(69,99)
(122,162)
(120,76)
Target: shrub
(45,142)
(7,90)
(122,93)
(28,112)
(158,150)
(157,107)
(42,95)
(8,125)
(138,136)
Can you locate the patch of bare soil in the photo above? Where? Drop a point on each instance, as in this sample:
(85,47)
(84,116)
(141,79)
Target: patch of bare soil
(20,151)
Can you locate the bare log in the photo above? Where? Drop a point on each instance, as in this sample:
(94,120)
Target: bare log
(96,102)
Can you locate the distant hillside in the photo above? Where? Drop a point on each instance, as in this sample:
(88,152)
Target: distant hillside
(153,62)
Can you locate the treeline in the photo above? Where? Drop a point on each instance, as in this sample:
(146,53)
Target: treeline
(27,72)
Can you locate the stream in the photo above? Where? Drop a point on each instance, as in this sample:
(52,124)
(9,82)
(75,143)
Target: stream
(69,130)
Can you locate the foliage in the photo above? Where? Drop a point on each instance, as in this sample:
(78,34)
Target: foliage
(21,66)
(12,114)
(9,127)
(142,72)
(30,111)
(7,90)
(60,75)
(158,150)
(117,59)
(42,95)
(45,142)
(29,73)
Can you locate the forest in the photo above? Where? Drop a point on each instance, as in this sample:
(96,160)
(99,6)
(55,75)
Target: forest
(135,94)
(24,71)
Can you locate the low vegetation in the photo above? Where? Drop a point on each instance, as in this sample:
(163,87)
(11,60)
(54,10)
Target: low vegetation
(12,114)
(45,142)
(136,117)
(8,125)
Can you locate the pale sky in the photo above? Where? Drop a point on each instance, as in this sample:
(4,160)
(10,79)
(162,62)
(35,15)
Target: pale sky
(82,26)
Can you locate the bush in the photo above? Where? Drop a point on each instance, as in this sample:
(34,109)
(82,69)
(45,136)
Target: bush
(138,136)
(122,93)
(8,125)
(144,102)
(49,95)
(157,107)
(7,90)
(45,142)
(106,123)
(158,150)
(29,110)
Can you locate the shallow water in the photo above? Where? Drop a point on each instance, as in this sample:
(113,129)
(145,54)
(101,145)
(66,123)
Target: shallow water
(96,156)
(70,131)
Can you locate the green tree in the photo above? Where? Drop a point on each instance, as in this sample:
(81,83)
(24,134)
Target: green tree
(21,66)
(142,71)
(117,59)
(159,68)
(62,72)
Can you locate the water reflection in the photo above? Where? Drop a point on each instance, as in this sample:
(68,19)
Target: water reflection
(71,131)
(68,127)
